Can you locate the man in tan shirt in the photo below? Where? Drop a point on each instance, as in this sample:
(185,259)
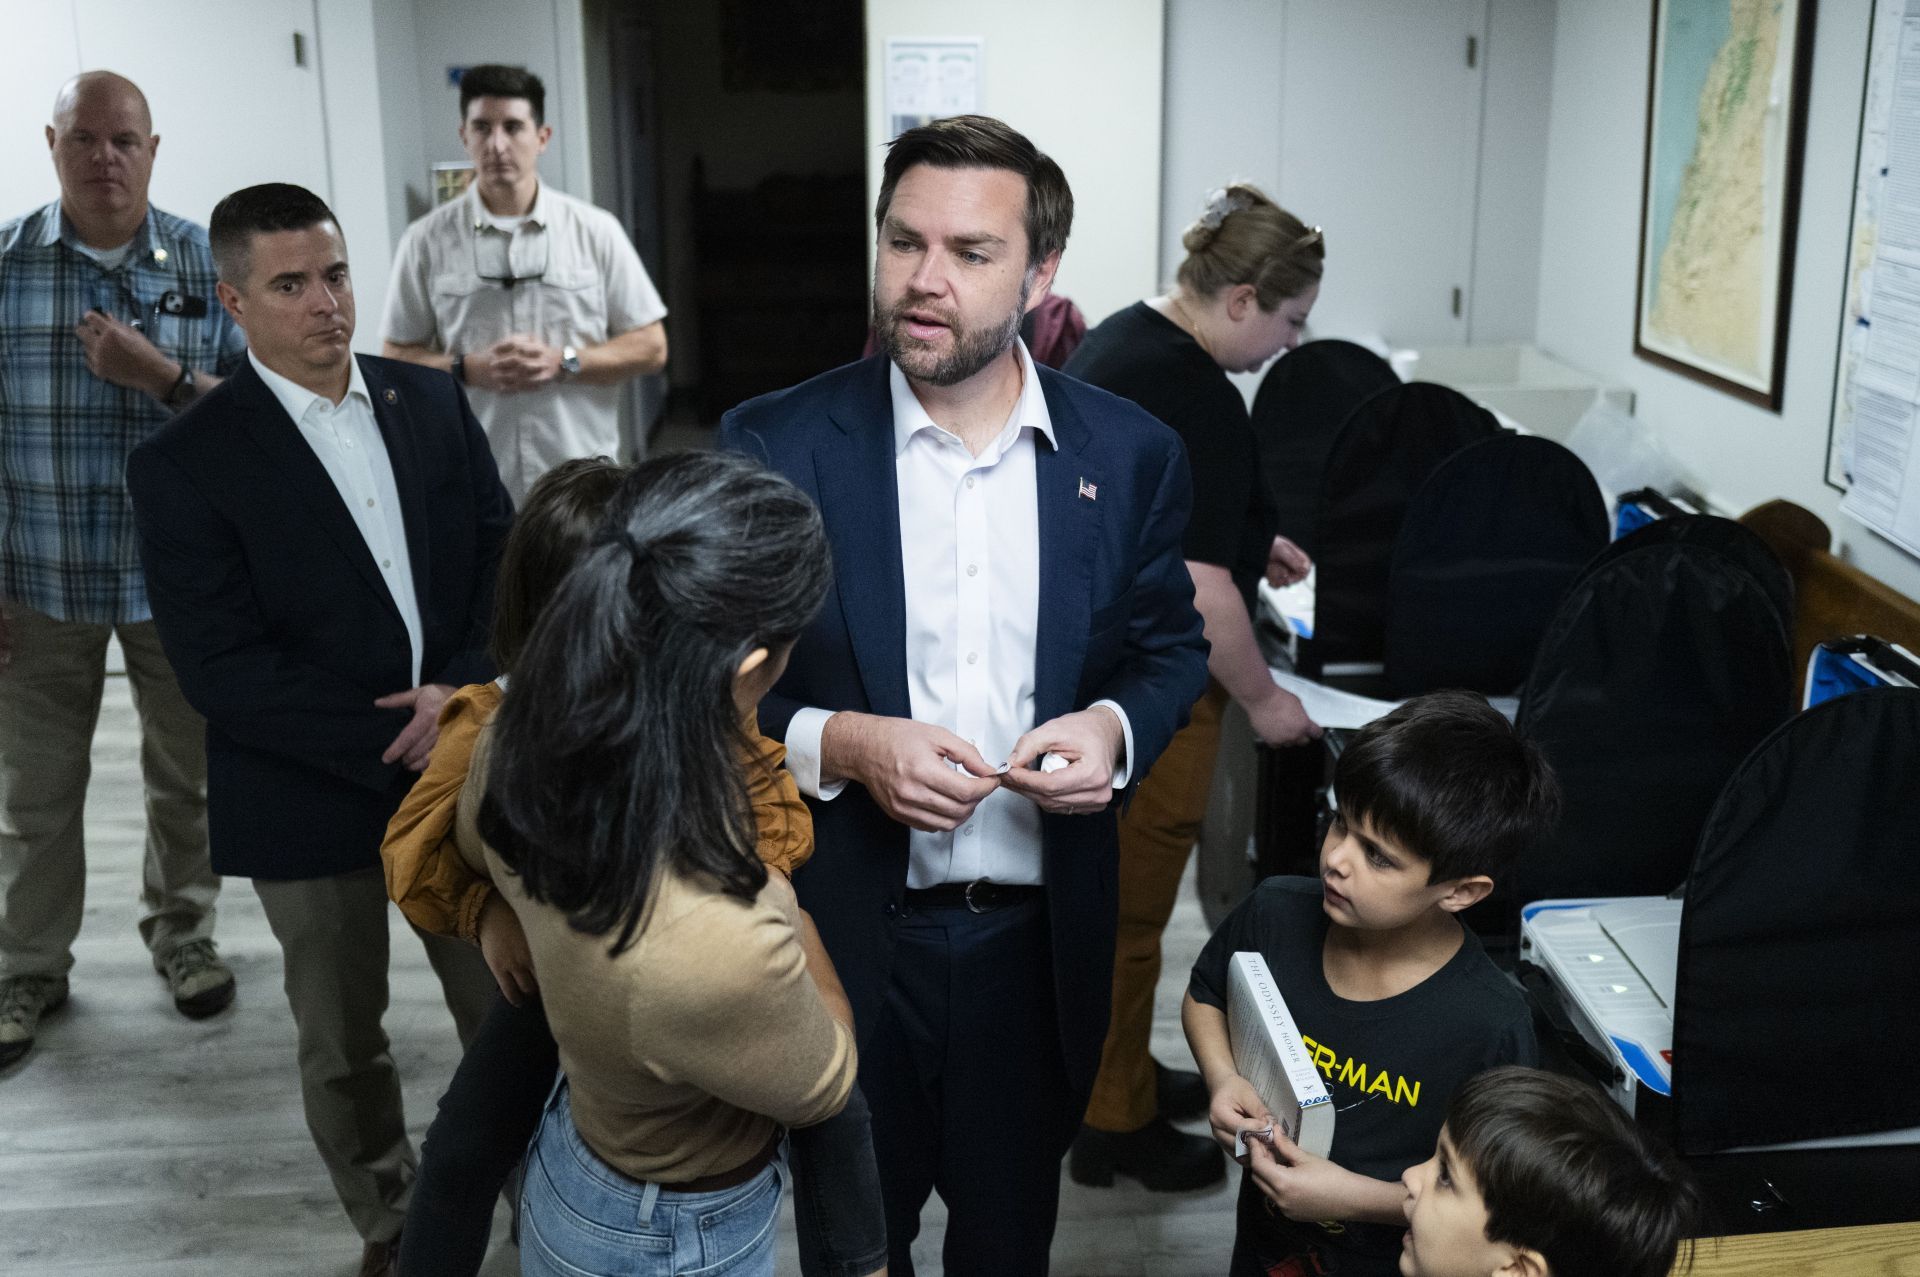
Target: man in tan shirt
(536,301)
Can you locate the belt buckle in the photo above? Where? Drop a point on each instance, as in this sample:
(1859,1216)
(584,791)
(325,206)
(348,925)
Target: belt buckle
(967,895)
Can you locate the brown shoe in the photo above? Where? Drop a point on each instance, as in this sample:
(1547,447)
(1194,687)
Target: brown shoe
(201,984)
(380,1259)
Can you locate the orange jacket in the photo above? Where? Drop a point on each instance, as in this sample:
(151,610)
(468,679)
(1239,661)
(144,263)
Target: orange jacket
(432,884)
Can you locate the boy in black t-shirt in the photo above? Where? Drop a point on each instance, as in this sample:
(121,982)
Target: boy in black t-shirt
(1395,998)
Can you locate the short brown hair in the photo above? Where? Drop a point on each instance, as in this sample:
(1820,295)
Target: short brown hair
(492,80)
(1242,237)
(562,511)
(980,141)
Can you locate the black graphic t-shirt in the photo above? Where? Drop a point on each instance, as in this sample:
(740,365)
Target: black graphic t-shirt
(1390,1065)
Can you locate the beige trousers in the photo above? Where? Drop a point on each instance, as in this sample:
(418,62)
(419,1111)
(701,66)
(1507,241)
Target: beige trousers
(333,935)
(49,703)
(1156,837)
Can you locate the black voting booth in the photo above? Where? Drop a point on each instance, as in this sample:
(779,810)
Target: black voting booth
(1302,402)
(1445,544)
(1795,981)
(1667,661)
(1488,545)
(1383,453)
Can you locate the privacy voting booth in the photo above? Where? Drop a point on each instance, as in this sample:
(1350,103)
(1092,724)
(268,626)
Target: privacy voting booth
(1765,1018)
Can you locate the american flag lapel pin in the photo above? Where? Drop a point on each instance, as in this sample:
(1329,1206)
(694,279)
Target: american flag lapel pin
(1087,490)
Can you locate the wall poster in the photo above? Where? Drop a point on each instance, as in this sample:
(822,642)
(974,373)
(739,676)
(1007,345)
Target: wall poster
(1871,453)
(930,79)
(1726,119)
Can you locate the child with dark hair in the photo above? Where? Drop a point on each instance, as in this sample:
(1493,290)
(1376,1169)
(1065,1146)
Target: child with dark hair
(1396,1000)
(1537,1175)
(495,1101)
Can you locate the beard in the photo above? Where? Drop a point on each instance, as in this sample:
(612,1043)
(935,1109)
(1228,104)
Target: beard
(972,349)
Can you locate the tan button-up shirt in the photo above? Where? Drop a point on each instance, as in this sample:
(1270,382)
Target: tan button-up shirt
(567,275)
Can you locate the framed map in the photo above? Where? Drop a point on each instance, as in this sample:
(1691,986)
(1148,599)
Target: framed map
(1726,120)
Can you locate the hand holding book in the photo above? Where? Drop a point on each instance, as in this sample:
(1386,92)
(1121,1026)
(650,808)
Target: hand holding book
(1305,1187)
(1236,1108)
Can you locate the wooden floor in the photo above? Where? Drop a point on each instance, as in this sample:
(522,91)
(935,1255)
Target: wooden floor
(133,1141)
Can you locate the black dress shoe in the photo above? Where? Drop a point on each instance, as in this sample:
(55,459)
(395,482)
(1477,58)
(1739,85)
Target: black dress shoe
(1181,1094)
(1161,1158)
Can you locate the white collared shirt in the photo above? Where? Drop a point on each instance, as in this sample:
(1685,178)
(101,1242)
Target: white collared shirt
(970,554)
(347,440)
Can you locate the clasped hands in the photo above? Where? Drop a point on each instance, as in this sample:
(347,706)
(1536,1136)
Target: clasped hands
(513,364)
(929,779)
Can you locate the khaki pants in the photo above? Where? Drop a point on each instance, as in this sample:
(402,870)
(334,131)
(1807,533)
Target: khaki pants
(333,934)
(1156,836)
(49,703)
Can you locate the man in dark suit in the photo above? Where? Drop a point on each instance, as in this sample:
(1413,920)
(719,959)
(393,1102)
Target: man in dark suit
(320,534)
(1012,643)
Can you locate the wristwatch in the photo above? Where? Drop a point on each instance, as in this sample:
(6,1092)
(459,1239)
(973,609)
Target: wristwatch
(459,369)
(569,362)
(181,392)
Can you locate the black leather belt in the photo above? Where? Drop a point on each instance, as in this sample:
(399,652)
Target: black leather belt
(980,895)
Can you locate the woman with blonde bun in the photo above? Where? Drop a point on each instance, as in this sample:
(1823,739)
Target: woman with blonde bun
(1250,278)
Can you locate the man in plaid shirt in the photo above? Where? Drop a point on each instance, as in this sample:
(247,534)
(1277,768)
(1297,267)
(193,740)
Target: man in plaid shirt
(107,326)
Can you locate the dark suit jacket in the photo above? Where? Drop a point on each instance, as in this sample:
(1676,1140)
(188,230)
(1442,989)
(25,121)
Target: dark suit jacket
(1116,621)
(277,623)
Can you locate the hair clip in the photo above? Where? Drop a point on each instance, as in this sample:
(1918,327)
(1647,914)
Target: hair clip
(1220,204)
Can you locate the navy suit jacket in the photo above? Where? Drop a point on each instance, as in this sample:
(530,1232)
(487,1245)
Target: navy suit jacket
(1116,621)
(275,618)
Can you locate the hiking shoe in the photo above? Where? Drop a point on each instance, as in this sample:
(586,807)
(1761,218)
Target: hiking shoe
(23,1000)
(201,984)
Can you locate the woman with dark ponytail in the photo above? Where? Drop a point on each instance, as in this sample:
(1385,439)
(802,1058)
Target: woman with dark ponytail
(495,1101)
(696,1012)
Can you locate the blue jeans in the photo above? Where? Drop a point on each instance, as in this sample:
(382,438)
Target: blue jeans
(579,1217)
(493,1107)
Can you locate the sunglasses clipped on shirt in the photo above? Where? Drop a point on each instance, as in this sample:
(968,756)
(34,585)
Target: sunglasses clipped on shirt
(510,279)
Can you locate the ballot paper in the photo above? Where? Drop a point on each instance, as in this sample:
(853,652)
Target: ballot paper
(1331,708)
(1349,711)
(1292,605)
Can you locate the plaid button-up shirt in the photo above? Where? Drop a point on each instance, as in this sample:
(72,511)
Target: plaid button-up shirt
(67,543)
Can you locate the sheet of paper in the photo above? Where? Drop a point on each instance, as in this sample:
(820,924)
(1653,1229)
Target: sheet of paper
(1331,708)
(1292,605)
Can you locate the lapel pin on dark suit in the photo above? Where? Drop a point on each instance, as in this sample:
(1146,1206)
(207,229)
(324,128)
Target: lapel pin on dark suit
(1087,490)
(391,397)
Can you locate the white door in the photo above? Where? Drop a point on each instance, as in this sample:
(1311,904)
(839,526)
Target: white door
(1380,142)
(234,101)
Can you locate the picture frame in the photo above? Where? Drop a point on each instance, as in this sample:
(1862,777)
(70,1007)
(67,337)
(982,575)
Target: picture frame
(448,180)
(1720,191)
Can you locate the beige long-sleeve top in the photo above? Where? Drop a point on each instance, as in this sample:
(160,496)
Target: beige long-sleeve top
(685,1051)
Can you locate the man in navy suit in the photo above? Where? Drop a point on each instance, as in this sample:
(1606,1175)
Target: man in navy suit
(320,534)
(1011,644)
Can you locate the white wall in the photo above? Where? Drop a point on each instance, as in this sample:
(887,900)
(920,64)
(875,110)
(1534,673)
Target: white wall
(1589,257)
(1211,44)
(545,37)
(1084,82)
(1224,114)
(260,119)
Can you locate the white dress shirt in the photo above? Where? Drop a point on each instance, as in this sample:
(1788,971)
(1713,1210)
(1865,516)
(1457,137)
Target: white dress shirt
(347,440)
(970,554)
